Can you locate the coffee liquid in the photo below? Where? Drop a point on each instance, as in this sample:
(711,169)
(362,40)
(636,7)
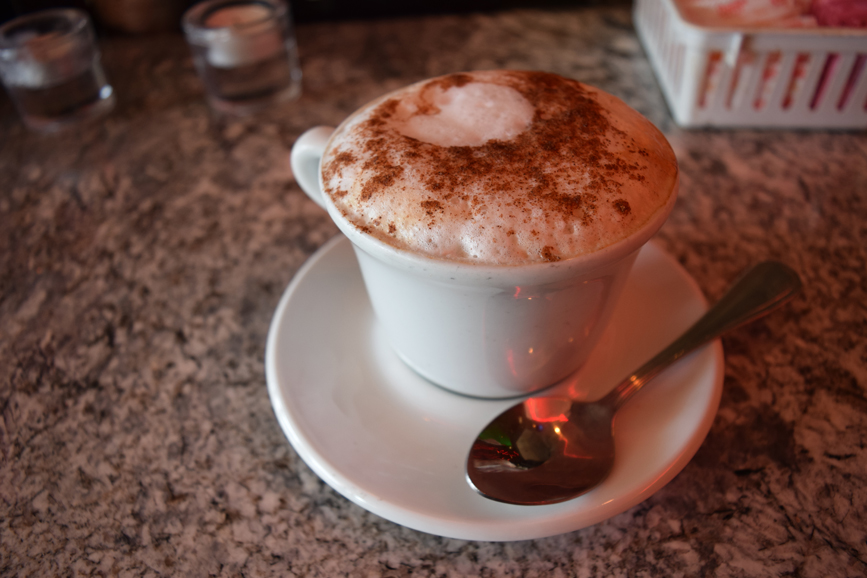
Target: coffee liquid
(499,168)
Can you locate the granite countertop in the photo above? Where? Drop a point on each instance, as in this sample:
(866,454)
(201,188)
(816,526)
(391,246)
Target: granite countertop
(142,258)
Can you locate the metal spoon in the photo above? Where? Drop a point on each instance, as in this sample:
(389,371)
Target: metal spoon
(546,450)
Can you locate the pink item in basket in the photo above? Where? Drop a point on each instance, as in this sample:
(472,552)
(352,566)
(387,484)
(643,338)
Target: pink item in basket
(796,80)
(843,13)
(748,13)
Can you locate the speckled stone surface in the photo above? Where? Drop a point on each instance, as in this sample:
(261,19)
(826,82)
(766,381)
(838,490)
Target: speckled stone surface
(141,260)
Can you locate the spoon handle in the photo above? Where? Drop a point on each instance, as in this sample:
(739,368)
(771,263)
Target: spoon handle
(756,293)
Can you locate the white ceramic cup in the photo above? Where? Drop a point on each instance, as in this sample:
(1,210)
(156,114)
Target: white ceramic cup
(480,330)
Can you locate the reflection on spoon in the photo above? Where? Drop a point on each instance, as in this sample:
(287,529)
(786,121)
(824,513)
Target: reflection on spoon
(546,450)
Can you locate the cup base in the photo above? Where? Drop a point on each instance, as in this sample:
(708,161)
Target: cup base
(91,112)
(252,105)
(482,396)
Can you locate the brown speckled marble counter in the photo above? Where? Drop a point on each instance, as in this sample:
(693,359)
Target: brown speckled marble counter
(141,260)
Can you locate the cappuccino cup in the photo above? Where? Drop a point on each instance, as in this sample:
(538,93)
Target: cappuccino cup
(495,216)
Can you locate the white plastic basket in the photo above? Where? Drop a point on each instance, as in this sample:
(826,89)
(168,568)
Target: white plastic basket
(791,78)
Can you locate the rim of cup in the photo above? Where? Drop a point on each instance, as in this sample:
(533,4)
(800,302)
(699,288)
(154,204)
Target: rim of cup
(505,275)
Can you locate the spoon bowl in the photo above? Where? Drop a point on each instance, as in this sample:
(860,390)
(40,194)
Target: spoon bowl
(545,450)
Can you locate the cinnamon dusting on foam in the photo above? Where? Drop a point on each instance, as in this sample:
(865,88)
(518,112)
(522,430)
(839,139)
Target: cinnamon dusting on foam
(564,169)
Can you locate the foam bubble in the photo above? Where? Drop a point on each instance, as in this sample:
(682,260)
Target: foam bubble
(468,115)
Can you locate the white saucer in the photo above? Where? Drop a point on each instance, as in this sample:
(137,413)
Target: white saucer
(396,445)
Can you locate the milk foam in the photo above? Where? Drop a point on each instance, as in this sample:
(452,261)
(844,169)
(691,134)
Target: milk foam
(499,167)
(468,115)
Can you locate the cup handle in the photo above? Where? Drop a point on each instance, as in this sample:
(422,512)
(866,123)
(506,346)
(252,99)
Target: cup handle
(305,158)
